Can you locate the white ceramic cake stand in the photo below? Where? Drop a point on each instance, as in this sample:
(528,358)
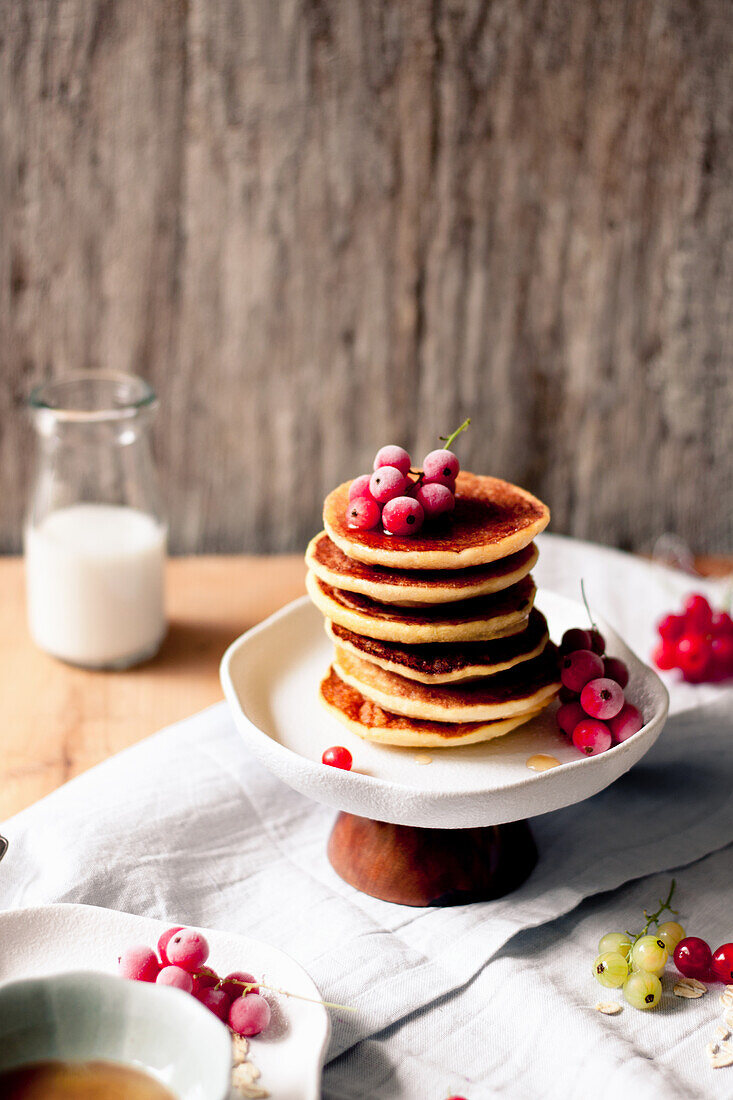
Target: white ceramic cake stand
(392,838)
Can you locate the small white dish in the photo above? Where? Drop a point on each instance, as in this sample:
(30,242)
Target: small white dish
(82,1017)
(271,675)
(54,939)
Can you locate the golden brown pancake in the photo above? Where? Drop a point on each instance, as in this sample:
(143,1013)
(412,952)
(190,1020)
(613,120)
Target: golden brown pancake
(526,687)
(466,620)
(371,722)
(414,587)
(444,664)
(492,519)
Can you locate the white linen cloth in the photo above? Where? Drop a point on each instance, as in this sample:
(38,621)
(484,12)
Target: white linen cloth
(486,1000)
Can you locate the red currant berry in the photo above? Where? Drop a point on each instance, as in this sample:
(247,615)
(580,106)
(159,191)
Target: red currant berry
(574,639)
(698,612)
(592,736)
(665,656)
(597,642)
(338,757)
(626,723)
(569,715)
(363,513)
(671,628)
(721,649)
(721,624)
(722,964)
(615,669)
(576,669)
(602,698)
(391,455)
(693,655)
(692,957)
(360,487)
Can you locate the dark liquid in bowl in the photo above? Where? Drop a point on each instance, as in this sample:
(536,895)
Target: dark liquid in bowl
(80,1081)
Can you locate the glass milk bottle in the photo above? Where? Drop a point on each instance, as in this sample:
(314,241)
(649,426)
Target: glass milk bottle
(95,537)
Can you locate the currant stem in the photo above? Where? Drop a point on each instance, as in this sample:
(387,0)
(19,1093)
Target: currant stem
(449,438)
(247,986)
(654,918)
(587,606)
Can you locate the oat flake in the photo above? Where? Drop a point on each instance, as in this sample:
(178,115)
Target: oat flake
(609,1008)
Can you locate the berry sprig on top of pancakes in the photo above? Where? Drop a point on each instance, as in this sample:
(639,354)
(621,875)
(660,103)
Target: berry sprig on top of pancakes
(400,498)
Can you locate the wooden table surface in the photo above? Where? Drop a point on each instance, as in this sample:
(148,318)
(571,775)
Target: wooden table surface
(59,721)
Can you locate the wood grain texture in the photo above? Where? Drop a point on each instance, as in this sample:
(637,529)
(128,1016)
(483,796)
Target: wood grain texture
(319,225)
(421,867)
(59,720)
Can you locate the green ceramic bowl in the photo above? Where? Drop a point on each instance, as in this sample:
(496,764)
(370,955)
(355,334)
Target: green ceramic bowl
(87,1016)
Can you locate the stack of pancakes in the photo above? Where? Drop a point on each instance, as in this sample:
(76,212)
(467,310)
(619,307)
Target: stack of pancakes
(436,639)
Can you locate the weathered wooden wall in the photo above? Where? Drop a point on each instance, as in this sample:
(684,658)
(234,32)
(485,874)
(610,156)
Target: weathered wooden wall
(320,225)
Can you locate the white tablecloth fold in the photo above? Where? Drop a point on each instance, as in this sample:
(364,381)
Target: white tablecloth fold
(492,999)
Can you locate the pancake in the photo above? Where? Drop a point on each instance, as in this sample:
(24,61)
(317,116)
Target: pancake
(467,620)
(492,519)
(444,664)
(372,723)
(528,687)
(414,587)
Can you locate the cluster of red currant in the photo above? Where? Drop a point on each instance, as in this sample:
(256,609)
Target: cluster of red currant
(236,999)
(594,713)
(400,498)
(699,642)
(694,958)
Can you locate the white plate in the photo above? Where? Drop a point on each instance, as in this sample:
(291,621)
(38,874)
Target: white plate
(271,675)
(55,939)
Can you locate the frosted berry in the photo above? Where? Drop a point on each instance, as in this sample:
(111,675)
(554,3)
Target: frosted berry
(235,983)
(164,940)
(573,639)
(626,723)
(615,669)
(576,669)
(592,737)
(204,978)
(597,641)
(602,698)
(403,516)
(360,486)
(386,483)
(436,500)
(177,977)
(568,717)
(217,1001)
(188,949)
(698,612)
(363,513)
(392,455)
(338,757)
(692,957)
(139,963)
(441,467)
(249,1015)
(722,964)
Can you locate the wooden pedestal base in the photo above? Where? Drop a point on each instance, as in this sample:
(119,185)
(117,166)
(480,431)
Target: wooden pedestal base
(431,866)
